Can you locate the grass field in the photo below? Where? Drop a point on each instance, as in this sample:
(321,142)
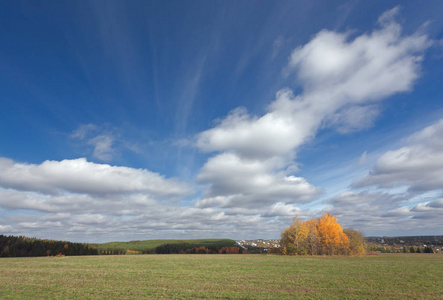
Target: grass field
(223,277)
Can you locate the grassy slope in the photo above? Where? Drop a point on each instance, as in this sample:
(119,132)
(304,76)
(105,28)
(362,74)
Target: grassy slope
(384,276)
(151,244)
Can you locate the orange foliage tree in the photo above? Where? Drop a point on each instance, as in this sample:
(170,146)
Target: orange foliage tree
(322,236)
(332,239)
(229,250)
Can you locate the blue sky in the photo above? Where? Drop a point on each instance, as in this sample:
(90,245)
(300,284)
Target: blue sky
(125,120)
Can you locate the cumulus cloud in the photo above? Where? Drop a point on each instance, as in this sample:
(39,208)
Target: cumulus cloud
(83,177)
(252,181)
(381,212)
(272,134)
(354,206)
(83,201)
(342,78)
(282,209)
(418,165)
(6,228)
(438,203)
(122,218)
(336,72)
(404,187)
(75,204)
(367,68)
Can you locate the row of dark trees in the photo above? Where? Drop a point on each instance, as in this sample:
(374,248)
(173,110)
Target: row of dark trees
(426,249)
(193,249)
(19,246)
(180,248)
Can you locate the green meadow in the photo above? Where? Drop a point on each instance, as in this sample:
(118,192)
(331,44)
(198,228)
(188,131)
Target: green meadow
(385,276)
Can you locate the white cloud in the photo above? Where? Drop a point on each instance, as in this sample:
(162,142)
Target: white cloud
(353,118)
(438,203)
(103,147)
(283,209)
(404,187)
(104,219)
(381,213)
(81,201)
(367,68)
(83,131)
(418,165)
(273,134)
(251,182)
(277,46)
(83,177)
(363,158)
(104,140)
(5,228)
(76,204)
(341,78)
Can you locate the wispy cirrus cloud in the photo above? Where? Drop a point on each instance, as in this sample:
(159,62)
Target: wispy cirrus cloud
(83,131)
(107,142)
(103,141)
(103,146)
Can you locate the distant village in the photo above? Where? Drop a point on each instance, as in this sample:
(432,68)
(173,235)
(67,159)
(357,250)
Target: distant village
(402,243)
(259,245)
(381,244)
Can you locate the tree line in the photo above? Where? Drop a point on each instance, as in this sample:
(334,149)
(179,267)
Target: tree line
(18,246)
(412,249)
(179,249)
(192,249)
(322,236)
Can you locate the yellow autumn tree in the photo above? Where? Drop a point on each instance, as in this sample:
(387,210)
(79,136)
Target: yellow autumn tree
(357,243)
(332,239)
(294,240)
(322,236)
(313,236)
